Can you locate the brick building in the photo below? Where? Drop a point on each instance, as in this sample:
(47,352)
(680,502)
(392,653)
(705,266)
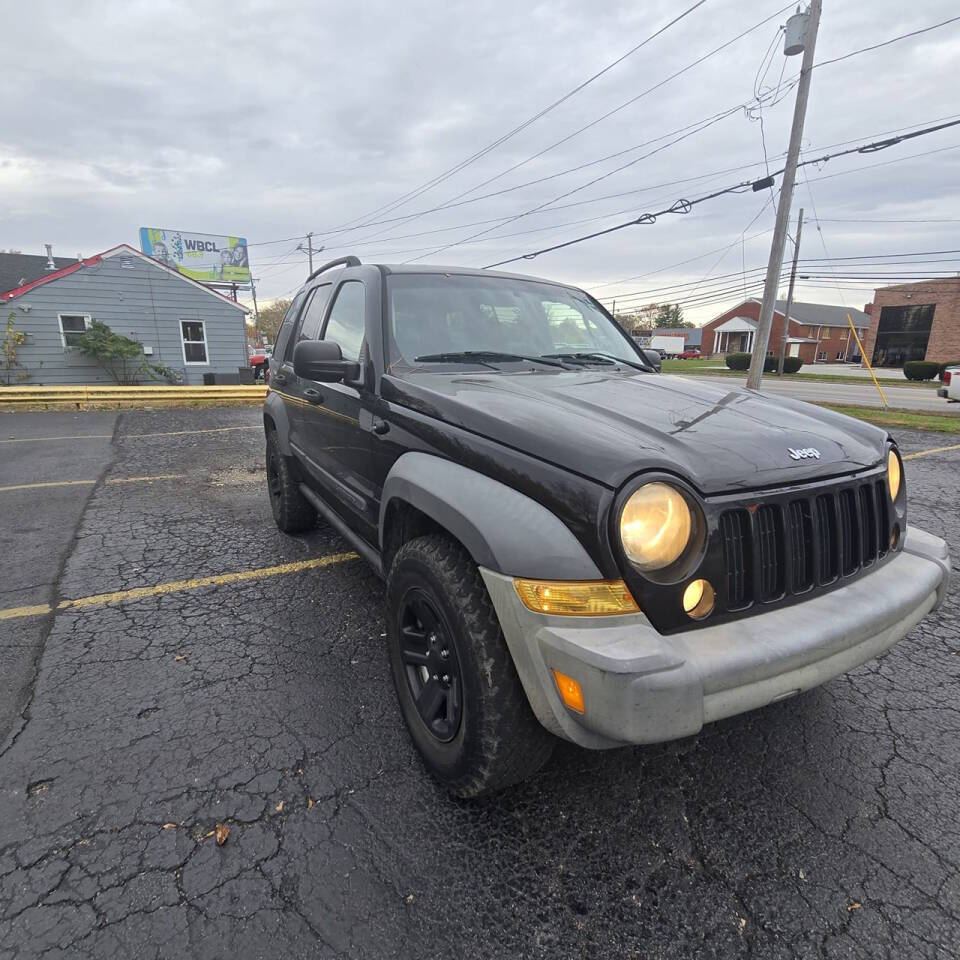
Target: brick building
(819,332)
(915,321)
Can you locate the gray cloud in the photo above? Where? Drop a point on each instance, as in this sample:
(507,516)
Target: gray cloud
(270,119)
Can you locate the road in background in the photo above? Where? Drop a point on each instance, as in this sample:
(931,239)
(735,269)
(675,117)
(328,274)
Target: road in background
(902,398)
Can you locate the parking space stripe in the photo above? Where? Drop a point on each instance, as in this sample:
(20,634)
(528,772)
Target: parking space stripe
(130,436)
(177,586)
(187,433)
(52,483)
(926,453)
(89,483)
(88,436)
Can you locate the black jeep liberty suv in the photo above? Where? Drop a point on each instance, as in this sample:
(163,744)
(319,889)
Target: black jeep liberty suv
(573,544)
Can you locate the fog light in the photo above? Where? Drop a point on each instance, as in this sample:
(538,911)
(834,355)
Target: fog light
(577,598)
(570,692)
(698,599)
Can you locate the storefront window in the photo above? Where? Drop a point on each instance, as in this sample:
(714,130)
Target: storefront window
(902,334)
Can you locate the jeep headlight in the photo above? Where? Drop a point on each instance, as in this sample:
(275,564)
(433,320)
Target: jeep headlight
(655,526)
(894,473)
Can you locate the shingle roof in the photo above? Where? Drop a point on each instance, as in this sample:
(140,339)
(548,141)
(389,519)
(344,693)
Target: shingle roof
(824,313)
(16,269)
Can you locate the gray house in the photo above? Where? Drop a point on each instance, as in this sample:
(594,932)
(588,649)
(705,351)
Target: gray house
(181,323)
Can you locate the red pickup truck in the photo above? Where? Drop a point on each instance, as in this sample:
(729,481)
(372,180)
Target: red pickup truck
(260,361)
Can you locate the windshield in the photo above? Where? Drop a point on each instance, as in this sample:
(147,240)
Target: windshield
(433,314)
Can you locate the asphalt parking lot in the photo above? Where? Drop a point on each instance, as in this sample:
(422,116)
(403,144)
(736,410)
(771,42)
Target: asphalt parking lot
(141,708)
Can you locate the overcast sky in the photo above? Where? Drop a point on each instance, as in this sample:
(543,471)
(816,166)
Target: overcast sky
(269,119)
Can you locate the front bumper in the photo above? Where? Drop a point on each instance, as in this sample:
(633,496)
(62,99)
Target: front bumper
(642,687)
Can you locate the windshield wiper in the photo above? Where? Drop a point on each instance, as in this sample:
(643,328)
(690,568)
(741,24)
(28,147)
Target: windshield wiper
(598,357)
(484,357)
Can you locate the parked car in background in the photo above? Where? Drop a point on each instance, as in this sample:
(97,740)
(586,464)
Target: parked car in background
(950,385)
(691,353)
(260,361)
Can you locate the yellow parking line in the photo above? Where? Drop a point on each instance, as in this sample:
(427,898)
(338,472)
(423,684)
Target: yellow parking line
(186,433)
(175,586)
(89,436)
(159,476)
(129,436)
(52,483)
(90,483)
(926,453)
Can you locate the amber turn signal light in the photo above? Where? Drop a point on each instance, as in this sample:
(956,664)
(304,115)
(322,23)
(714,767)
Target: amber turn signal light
(569,690)
(576,598)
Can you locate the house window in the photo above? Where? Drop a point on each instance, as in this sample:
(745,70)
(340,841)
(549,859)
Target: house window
(840,354)
(194,337)
(72,327)
(822,355)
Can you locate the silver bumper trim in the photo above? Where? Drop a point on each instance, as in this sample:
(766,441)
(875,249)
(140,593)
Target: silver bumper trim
(642,687)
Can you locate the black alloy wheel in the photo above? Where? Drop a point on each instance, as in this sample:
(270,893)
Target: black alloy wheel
(431,665)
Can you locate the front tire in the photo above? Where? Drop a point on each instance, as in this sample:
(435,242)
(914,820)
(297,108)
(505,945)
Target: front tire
(292,512)
(459,692)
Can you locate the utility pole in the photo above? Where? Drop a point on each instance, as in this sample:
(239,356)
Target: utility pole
(310,249)
(256,312)
(786,312)
(774,264)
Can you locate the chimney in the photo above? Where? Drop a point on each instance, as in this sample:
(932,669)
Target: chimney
(50,264)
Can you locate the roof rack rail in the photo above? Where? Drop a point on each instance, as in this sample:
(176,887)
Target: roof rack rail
(339,262)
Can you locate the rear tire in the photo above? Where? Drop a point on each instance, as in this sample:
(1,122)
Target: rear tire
(292,512)
(459,692)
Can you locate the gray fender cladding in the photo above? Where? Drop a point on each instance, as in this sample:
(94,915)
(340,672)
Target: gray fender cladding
(502,529)
(274,408)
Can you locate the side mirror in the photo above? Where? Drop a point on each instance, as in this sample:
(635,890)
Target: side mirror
(651,356)
(322,361)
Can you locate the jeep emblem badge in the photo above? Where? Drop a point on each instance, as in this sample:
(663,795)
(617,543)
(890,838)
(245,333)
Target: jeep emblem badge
(804,453)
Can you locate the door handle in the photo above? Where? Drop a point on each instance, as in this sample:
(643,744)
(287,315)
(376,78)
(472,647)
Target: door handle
(312,395)
(278,377)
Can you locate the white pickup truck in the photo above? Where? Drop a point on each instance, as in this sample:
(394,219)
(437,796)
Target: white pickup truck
(950,387)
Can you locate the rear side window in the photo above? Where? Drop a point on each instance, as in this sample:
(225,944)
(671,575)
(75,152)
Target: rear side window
(285,341)
(313,314)
(346,325)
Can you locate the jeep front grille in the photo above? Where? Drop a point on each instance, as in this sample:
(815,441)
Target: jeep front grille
(790,546)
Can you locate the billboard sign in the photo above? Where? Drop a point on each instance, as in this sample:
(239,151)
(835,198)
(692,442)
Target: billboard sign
(200,256)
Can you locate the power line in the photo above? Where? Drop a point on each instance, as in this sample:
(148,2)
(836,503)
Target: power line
(685,206)
(632,100)
(353,225)
(886,43)
(440,178)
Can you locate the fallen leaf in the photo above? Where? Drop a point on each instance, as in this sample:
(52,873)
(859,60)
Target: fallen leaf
(854,905)
(221,834)
(179,658)
(279,807)
(409,898)
(169,826)
(309,803)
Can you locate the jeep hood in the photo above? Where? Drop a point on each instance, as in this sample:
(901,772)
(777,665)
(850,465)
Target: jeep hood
(609,426)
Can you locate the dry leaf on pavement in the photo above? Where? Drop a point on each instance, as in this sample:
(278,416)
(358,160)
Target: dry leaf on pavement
(221,833)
